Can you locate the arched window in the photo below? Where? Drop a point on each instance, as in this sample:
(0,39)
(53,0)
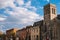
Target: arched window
(53,10)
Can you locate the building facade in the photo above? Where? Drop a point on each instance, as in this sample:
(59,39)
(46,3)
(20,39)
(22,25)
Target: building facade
(1,35)
(11,34)
(50,23)
(58,27)
(28,28)
(35,33)
(24,34)
(21,34)
(36,30)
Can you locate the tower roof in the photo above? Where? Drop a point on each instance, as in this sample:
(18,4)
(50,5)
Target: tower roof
(38,23)
(50,4)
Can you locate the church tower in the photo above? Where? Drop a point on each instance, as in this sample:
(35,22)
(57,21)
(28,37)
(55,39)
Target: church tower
(49,12)
(49,18)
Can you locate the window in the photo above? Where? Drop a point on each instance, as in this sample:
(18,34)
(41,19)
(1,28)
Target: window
(37,30)
(36,37)
(53,10)
(29,37)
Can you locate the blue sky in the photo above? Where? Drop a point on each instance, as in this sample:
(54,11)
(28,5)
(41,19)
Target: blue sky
(20,13)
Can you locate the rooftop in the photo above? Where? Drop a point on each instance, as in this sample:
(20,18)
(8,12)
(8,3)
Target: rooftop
(50,4)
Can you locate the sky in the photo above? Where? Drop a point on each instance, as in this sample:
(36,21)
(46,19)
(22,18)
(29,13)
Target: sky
(21,13)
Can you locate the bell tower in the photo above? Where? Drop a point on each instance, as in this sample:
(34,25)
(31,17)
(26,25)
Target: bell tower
(49,12)
(49,17)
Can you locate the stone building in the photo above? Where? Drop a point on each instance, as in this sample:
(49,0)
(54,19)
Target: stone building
(1,32)
(28,28)
(31,32)
(21,34)
(24,33)
(36,30)
(50,29)
(58,27)
(1,35)
(11,34)
(49,16)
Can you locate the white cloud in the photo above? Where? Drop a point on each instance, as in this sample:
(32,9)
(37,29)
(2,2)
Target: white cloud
(5,3)
(48,0)
(20,16)
(2,19)
(28,5)
(20,2)
(23,14)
